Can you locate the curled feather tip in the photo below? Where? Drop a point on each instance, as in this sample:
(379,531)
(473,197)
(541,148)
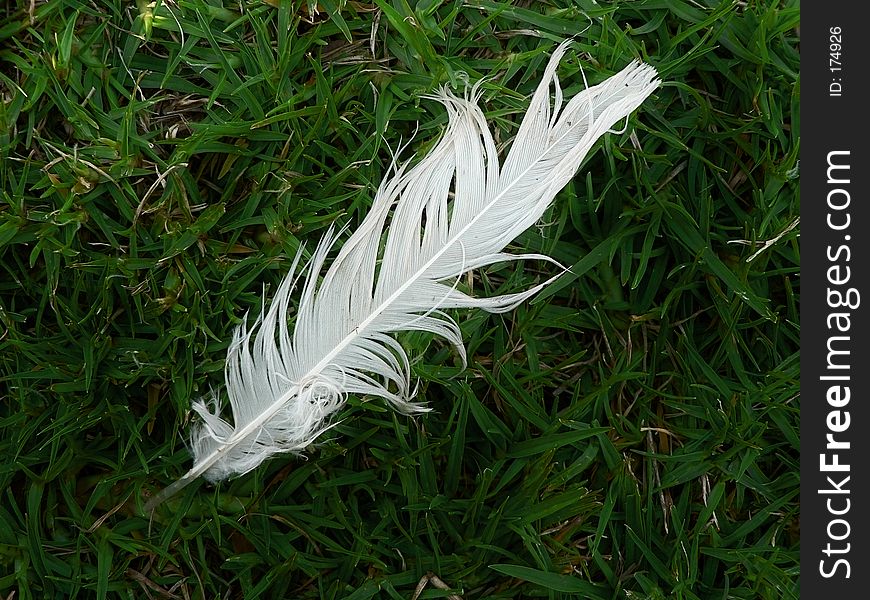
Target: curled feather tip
(284,385)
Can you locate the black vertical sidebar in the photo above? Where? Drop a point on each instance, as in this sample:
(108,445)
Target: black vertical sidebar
(835,301)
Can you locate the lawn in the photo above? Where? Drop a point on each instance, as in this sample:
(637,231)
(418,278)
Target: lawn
(630,432)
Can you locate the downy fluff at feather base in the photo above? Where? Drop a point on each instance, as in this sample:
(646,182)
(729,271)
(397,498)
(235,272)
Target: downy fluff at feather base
(284,385)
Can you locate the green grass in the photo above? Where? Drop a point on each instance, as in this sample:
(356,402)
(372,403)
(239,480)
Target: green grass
(630,433)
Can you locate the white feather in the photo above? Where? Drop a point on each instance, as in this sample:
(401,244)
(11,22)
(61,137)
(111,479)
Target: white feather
(284,386)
